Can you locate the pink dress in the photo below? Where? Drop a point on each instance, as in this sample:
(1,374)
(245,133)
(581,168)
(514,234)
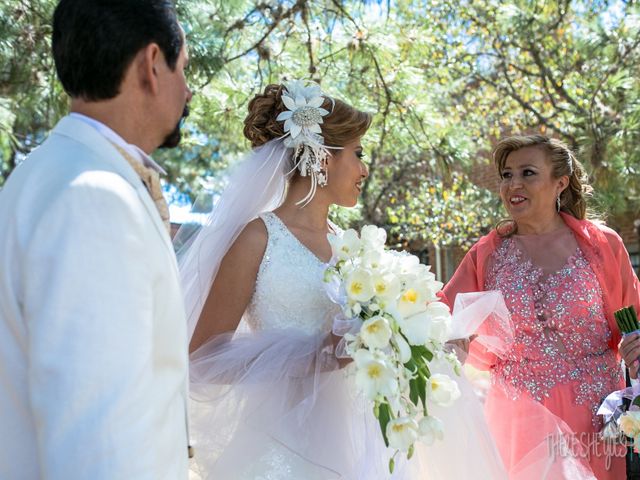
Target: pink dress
(525,429)
(561,356)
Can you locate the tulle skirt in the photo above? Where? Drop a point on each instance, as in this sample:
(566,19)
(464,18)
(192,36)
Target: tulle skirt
(275,405)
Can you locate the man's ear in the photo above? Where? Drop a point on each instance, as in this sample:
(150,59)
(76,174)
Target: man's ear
(148,60)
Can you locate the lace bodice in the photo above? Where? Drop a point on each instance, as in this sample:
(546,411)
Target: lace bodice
(289,290)
(561,333)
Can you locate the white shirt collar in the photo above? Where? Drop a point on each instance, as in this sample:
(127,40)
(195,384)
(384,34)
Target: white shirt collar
(133,150)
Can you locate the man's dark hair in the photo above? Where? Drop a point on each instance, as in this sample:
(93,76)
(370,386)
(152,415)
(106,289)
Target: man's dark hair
(94,41)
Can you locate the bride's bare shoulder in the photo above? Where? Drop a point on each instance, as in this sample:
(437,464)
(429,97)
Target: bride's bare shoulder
(252,240)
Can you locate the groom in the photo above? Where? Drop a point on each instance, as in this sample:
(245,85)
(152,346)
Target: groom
(93,347)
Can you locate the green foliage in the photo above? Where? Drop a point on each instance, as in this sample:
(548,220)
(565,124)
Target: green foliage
(445,213)
(444,78)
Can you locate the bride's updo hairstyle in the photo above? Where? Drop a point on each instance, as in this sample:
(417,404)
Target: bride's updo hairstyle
(343,124)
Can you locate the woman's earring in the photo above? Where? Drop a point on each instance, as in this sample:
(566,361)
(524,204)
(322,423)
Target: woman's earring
(558,203)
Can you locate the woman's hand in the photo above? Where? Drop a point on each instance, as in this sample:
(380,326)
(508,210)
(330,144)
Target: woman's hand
(342,361)
(630,351)
(461,347)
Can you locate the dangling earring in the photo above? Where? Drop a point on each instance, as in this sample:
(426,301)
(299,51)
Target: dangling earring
(558,203)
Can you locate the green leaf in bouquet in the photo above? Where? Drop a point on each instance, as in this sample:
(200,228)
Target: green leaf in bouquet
(414,391)
(392,465)
(384,415)
(421,351)
(422,391)
(424,371)
(636,401)
(411,365)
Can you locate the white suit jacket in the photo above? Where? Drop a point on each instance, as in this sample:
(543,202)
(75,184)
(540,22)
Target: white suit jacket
(93,342)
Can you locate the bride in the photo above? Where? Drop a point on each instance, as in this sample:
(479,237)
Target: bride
(270,398)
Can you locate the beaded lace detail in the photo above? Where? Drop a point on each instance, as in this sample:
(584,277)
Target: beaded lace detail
(289,290)
(561,333)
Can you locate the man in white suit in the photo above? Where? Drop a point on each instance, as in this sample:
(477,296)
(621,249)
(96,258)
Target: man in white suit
(93,347)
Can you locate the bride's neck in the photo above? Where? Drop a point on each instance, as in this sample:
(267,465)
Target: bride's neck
(312,216)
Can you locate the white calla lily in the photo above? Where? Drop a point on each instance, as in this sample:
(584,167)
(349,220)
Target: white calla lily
(376,332)
(346,245)
(404,349)
(415,328)
(387,285)
(430,429)
(373,237)
(439,309)
(374,374)
(372,259)
(442,390)
(412,300)
(402,432)
(359,286)
(438,328)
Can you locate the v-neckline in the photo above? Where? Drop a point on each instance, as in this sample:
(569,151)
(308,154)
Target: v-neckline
(304,247)
(543,280)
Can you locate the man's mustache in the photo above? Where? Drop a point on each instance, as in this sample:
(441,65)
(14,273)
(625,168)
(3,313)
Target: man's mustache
(173,139)
(185,114)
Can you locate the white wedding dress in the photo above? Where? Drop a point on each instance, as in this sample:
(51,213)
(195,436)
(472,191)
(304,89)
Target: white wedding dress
(270,403)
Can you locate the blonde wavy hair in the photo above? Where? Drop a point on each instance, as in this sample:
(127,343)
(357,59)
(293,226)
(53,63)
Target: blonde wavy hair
(573,199)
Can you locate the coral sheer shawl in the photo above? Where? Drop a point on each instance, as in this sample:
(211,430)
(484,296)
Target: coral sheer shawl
(603,249)
(522,429)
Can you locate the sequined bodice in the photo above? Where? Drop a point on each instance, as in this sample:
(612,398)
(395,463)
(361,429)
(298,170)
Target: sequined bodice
(289,290)
(561,333)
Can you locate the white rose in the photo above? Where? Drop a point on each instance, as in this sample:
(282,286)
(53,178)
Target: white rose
(359,286)
(376,332)
(442,390)
(630,423)
(402,432)
(430,430)
(374,374)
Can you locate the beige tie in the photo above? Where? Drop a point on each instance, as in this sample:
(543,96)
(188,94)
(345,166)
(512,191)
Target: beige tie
(151,180)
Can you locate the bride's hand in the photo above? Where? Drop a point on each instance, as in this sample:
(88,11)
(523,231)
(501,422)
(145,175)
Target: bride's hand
(461,347)
(342,361)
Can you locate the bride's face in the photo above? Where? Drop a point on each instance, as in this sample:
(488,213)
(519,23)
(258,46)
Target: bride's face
(346,172)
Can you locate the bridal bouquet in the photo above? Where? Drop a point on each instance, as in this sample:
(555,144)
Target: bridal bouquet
(622,418)
(393,327)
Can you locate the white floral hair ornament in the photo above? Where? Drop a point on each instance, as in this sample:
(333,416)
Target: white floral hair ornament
(302,121)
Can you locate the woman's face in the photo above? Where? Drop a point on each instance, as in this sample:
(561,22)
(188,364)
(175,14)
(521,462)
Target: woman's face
(528,188)
(346,172)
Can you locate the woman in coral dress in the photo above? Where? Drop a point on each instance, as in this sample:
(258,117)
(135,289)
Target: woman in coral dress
(562,277)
